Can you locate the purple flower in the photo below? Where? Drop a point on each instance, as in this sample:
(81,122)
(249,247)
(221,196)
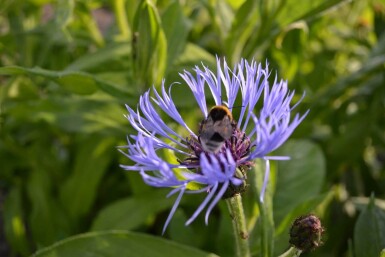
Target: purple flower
(254,133)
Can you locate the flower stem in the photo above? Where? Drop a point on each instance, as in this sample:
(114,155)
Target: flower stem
(239,225)
(292,252)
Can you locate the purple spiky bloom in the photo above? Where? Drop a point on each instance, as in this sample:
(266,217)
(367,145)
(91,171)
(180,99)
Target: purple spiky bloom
(256,133)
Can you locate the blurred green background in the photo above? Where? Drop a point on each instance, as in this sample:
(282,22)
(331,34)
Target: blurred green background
(68,67)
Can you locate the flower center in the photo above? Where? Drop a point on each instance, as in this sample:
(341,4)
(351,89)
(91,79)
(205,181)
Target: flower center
(238,143)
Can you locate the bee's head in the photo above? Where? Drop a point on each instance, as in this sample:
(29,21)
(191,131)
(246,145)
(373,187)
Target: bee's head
(219,112)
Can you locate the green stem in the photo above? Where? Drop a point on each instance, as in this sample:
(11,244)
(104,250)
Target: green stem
(121,18)
(292,252)
(239,225)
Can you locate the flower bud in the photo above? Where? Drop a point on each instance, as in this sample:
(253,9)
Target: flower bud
(306,233)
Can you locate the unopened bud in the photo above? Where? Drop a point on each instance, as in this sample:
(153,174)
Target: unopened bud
(306,233)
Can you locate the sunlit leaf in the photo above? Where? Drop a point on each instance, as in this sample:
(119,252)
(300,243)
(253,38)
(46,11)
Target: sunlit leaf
(290,11)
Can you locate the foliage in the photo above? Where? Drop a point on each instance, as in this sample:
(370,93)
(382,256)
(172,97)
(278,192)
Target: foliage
(68,67)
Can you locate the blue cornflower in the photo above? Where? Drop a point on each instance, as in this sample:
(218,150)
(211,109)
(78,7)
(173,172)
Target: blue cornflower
(255,133)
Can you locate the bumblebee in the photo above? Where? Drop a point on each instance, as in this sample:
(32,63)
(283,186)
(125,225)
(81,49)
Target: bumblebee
(216,128)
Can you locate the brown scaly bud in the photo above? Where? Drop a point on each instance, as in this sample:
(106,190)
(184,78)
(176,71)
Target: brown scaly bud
(306,233)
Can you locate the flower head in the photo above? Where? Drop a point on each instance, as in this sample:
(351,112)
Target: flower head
(219,153)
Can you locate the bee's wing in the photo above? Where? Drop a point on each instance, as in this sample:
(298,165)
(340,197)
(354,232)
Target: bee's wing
(207,130)
(224,128)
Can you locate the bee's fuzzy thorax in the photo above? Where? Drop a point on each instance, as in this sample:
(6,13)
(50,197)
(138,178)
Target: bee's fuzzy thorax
(218,112)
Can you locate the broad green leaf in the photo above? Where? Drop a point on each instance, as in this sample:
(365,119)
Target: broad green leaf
(304,208)
(181,233)
(131,212)
(382,253)
(118,243)
(369,231)
(78,192)
(300,178)
(77,82)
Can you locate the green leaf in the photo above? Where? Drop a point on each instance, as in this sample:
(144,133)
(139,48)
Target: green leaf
(74,81)
(64,13)
(97,60)
(45,210)
(370,68)
(70,114)
(83,12)
(194,54)
(300,178)
(369,231)
(294,10)
(306,207)
(243,26)
(79,191)
(181,233)
(77,83)
(362,202)
(14,222)
(382,253)
(118,243)
(131,212)
(149,45)
(176,29)
(221,15)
